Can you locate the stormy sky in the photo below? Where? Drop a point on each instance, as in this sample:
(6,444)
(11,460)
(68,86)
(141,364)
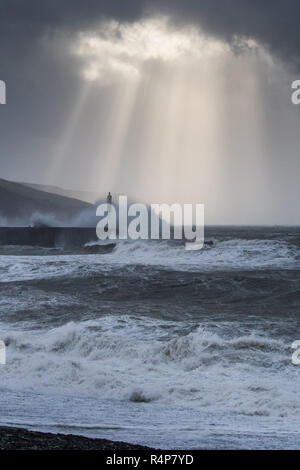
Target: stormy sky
(165,101)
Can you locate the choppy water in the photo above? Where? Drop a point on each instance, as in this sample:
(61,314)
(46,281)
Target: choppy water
(156,345)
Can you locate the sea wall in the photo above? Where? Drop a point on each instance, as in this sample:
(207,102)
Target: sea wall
(67,237)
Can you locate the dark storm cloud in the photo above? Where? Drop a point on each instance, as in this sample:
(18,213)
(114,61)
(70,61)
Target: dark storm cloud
(30,64)
(272,22)
(38,14)
(42,78)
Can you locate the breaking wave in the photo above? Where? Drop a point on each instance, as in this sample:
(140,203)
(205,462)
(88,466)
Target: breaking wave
(144,360)
(223,255)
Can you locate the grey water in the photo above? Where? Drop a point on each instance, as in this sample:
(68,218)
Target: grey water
(154,344)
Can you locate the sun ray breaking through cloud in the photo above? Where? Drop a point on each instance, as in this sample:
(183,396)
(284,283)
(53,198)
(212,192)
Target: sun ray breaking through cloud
(183,112)
(65,142)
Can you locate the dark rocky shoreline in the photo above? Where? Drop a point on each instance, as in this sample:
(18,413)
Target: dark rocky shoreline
(22,439)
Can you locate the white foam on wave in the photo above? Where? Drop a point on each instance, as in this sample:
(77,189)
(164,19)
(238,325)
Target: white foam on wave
(133,359)
(231,254)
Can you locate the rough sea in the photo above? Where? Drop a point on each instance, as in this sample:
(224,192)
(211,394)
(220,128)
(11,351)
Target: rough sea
(156,345)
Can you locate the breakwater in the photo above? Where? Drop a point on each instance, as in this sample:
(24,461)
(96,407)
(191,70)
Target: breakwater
(66,237)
